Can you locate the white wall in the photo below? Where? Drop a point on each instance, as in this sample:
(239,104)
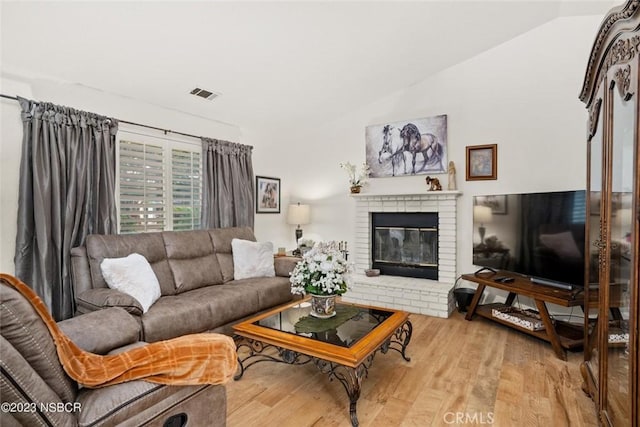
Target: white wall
(81,98)
(521,95)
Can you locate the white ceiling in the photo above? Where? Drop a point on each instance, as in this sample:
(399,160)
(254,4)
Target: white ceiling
(272,62)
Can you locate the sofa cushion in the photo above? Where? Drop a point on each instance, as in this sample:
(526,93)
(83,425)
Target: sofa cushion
(99,298)
(252,259)
(133,276)
(149,245)
(221,238)
(271,291)
(23,328)
(191,259)
(199,310)
(103,330)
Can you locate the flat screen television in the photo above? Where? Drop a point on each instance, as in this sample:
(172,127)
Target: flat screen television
(538,235)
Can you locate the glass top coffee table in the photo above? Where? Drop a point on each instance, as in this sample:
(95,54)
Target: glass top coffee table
(343,347)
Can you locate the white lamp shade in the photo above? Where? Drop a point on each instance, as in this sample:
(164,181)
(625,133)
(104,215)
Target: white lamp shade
(482,214)
(299,214)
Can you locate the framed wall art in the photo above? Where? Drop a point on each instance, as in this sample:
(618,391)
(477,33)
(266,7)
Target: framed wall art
(267,195)
(408,147)
(482,162)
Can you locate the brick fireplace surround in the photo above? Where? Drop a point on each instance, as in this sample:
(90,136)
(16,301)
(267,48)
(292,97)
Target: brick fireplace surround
(423,296)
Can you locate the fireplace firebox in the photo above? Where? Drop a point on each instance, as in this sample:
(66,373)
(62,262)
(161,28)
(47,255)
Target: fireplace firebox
(405,244)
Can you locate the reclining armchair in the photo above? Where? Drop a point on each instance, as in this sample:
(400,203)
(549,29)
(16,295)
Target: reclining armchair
(36,391)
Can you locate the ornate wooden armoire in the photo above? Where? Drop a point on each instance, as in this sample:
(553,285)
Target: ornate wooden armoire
(610,91)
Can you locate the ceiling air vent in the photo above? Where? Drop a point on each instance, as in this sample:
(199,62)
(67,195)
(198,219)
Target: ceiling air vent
(203,93)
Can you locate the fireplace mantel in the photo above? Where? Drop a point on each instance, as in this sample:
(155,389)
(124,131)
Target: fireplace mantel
(428,194)
(424,296)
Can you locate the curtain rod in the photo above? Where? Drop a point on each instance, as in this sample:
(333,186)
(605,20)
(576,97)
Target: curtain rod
(166,131)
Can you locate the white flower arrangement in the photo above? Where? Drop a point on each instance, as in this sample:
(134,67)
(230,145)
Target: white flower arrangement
(322,271)
(354,177)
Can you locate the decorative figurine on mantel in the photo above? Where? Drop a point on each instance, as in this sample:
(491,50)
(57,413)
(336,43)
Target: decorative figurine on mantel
(451,186)
(434,184)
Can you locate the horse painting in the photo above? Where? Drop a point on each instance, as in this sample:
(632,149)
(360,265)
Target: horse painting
(426,144)
(391,146)
(396,154)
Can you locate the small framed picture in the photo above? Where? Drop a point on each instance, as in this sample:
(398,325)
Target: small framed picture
(267,195)
(482,162)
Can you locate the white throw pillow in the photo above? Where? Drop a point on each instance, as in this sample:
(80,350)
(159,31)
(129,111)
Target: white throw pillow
(252,259)
(134,276)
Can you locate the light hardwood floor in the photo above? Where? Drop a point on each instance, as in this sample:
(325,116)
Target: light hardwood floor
(461,373)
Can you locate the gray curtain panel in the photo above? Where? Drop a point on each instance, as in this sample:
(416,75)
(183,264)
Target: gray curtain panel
(228,189)
(66,191)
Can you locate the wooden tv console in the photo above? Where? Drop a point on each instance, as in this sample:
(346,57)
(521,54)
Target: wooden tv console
(561,335)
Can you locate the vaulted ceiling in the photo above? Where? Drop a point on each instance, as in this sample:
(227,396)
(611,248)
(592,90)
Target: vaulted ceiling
(271,62)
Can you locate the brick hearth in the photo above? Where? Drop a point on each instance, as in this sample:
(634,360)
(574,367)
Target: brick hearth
(424,296)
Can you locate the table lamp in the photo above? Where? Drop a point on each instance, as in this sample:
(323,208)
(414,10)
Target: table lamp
(482,215)
(298,215)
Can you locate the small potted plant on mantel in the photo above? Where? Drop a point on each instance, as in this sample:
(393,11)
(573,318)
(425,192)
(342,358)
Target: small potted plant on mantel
(356,180)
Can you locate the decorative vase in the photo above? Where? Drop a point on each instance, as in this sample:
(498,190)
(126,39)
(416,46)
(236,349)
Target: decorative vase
(323,306)
(355,189)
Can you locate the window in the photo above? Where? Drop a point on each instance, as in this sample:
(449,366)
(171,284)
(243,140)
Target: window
(185,185)
(142,188)
(160,184)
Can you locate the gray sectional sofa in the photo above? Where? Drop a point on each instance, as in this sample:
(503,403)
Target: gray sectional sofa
(196,276)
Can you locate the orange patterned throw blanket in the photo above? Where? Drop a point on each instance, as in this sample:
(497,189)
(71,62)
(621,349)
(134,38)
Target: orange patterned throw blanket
(205,358)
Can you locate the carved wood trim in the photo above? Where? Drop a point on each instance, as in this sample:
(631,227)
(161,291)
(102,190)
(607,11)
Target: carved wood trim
(615,55)
(622,51)
(623,82)
(594,113)
(603,250)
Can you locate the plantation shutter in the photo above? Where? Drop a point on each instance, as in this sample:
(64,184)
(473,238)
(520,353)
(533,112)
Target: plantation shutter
(186,189)
(142,187)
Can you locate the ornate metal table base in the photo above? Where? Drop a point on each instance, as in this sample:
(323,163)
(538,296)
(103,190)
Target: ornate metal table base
(350,378)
